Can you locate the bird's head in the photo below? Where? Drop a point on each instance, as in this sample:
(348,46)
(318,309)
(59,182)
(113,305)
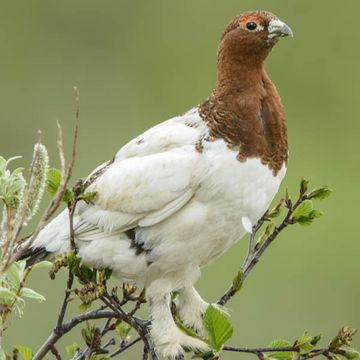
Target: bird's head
(251,36)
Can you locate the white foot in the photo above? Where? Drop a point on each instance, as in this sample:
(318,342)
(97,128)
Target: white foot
(168,339)
(190,308)
(170,345)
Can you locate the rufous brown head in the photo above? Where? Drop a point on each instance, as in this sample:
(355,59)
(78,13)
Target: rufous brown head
(251,35)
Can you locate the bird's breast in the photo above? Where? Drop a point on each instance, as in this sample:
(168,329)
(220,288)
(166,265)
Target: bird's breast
(233,190)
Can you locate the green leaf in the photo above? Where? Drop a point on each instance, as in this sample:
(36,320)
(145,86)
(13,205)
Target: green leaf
(32,294)
(2,351)
(71,349)
(86,274)
(275,211)
(304,183)
(306,343)
(123,330)
(15,273)
(83,307)
(19,306)
(303,209)
(281,355)
(53,181)
(7,296)
(349,353)
(74,263)
(237,281)
(218,328)
(320,194)
(25,352)
(268,230)
(307,220)
(205,356)
(305,213)
(104,274)
(88,197)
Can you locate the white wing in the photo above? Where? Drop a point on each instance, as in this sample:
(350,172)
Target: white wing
(151,178)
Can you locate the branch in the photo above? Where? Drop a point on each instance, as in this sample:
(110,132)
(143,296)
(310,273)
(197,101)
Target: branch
(253,255)
(139,325)
(130,344)
(259,351)
(64,328)
(65,178)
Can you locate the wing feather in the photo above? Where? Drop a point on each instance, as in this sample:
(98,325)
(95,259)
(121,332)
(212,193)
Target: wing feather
(151,178)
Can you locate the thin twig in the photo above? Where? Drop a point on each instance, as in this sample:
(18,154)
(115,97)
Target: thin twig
(9,309)
(139,325)
(65,302)
(55,352)
(251,248)
(145,354)
(64,179)
(255,256)
(68,326)
(122,349)
(259,351)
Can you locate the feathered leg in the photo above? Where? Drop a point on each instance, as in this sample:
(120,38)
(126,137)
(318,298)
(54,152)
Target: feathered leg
(190,308)
(169,340)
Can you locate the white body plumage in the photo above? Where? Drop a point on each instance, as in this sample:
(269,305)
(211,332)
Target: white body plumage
(186,207)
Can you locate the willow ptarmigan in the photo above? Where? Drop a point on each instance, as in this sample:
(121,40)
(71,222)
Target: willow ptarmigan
(178,196)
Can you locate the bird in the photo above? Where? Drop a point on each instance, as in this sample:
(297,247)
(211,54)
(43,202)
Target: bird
(182,193)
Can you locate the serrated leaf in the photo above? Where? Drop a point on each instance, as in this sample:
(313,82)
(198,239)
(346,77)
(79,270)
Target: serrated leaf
(218,328)
(320,194)
(32,294)
(308,220)
(281,355)
(24,351)
(306,343)
(303,209)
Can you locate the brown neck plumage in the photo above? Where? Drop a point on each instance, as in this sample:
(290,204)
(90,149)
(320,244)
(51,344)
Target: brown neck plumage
(245,110)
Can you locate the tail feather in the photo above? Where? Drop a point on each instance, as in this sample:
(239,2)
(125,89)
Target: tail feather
(51,241)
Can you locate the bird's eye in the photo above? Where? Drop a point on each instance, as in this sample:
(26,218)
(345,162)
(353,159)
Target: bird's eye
(251,25)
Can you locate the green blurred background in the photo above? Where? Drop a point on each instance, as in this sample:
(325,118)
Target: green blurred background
(138,63)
